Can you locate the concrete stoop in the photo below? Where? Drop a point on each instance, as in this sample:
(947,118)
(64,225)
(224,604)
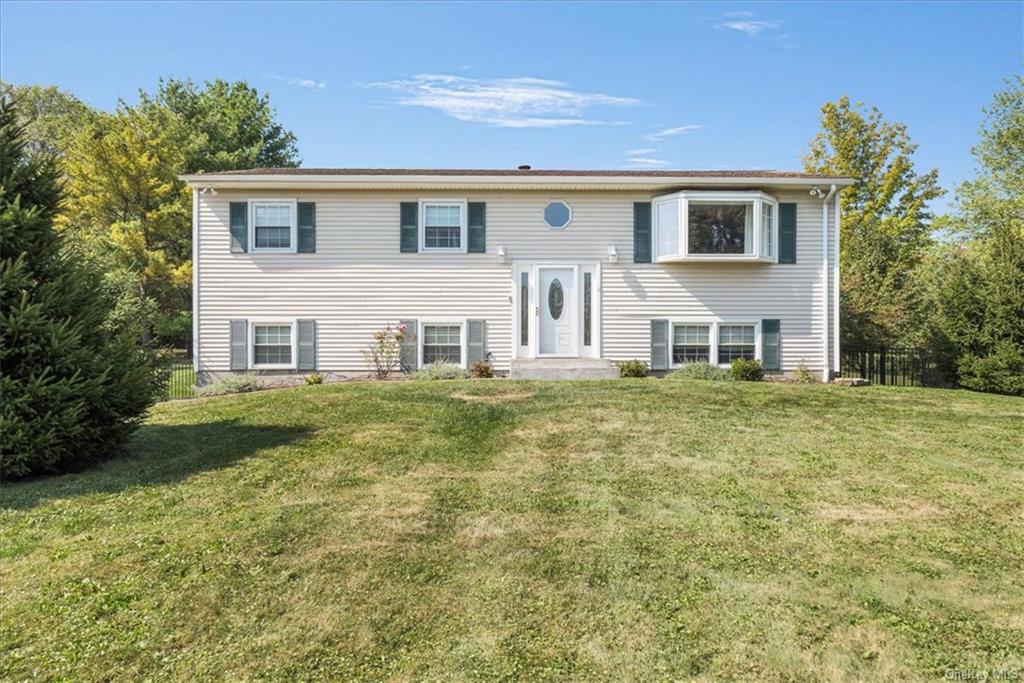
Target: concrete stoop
(564,368)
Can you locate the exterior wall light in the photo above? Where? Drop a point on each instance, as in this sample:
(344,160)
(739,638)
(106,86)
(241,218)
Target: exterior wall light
(613,255)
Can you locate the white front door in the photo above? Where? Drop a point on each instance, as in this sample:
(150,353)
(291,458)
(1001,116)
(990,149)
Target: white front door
(557,297)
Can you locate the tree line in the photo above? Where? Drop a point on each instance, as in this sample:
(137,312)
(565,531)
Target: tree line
(951,284)
(96,271)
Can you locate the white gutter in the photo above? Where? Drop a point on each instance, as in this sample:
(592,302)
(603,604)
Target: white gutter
(825,366)
(242,181)
(835,294)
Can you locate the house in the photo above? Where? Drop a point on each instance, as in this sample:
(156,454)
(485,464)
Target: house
(544,272)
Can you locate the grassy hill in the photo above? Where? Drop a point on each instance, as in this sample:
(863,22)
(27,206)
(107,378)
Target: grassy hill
(632,529)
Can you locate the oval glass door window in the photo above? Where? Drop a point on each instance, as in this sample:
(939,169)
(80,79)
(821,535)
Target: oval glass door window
(556,299)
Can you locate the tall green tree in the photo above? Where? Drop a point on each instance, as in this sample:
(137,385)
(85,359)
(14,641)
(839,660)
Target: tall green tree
(976,285)
(74,382)
(229,125)
(886,225)
(125,203)
(49,115)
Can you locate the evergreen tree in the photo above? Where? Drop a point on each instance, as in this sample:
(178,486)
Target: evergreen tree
(74,381)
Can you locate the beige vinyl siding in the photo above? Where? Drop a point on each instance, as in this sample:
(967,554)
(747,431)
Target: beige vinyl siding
(358,281)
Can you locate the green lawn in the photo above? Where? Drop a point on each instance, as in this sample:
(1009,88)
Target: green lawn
(633,529)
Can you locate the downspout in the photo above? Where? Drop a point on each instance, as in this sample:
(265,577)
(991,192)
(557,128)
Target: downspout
(195,281)
(835,296)
(825,301)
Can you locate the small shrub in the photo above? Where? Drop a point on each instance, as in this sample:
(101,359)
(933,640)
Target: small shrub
(440,370)
(235,384)
(481,369)
(632,368)
(1000,372)
(747,370)
(385,350)
(804,374)
(314,378)
(700,370)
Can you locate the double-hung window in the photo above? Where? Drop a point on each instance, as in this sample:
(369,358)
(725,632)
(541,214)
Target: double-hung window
(442,343)
(768,230)
(736,341)
(444,226)
(273,345)
(691,343)
(273,225)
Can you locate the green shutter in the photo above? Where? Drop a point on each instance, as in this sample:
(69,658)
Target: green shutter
(410,237)
(307,228)
(307,345)
(477,228)
(659,345)
(642,232)
(787,233)
(770,337)
(409,352)
(239,344)
(239,226)
(476,341)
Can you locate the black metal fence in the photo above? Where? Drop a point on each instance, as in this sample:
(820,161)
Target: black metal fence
(905,367)
(181,379)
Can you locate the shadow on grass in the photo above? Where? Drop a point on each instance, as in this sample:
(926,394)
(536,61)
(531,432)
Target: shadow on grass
(156,454)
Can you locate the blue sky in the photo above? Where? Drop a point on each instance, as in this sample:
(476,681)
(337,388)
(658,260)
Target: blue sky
(573,85)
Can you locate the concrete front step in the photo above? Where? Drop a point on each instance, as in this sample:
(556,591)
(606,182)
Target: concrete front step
(563,368)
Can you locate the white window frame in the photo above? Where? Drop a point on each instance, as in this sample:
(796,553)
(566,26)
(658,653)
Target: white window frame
(757,198)
(757,339)
(447,322)
(253,324)
(712,355)
(293,234)
(545,220)
(714,324)
(463,225)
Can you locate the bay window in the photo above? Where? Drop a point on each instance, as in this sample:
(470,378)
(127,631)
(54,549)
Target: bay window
(715,226)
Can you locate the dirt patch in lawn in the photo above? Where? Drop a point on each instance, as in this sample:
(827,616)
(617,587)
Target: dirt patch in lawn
(876,513)
(493,399)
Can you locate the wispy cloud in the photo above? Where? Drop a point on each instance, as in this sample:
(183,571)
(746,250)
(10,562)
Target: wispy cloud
(669,132)
(300,82)
(747,24)
(504,102)
(752,27)
(641,151)
(648,162)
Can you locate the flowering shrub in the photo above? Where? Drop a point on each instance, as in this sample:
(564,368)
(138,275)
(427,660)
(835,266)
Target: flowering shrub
(385,350)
